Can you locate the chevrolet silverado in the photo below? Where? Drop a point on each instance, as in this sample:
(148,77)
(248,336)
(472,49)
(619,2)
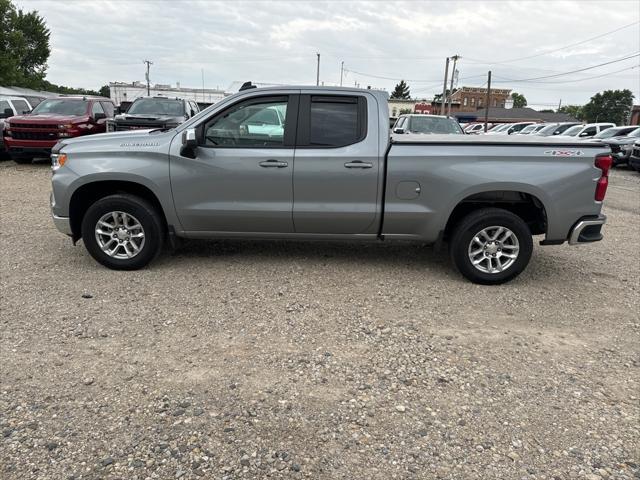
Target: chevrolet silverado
(318,163)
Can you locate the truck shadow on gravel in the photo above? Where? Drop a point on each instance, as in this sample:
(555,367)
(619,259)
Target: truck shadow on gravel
(394,255)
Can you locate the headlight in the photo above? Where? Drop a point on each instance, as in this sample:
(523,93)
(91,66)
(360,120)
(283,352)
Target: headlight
(58,160)
(63,127)
(628,146)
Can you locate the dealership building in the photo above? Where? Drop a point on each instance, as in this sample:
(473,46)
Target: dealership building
(122,92)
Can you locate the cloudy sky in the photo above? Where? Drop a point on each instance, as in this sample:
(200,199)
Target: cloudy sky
(379,41)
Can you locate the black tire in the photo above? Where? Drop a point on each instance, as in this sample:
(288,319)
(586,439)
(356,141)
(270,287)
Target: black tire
(148,216)
(21,160)
(467,228)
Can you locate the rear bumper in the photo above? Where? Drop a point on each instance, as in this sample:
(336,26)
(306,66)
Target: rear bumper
(587,230)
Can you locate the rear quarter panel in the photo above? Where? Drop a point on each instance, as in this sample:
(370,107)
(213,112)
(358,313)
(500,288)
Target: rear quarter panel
(449,173)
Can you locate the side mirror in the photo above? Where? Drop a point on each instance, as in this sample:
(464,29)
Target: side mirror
(7,113)
(398,130)
(99,116)
(584,134)
(189,143)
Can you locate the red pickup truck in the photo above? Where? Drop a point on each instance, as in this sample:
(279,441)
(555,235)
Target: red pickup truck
(34,134)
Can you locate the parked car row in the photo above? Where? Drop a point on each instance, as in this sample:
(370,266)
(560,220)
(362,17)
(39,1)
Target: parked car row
(27,132)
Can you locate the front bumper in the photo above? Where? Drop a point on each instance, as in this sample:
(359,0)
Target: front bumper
(62,224)
(587,230)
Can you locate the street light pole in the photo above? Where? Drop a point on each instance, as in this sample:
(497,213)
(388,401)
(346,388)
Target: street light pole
(318,71)
(486,111)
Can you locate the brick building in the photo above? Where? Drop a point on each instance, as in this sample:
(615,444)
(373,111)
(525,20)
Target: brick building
(470,99)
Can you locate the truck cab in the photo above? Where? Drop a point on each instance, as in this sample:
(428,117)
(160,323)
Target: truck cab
(34,133)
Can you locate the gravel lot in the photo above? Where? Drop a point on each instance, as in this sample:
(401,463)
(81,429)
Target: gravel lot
(237,360)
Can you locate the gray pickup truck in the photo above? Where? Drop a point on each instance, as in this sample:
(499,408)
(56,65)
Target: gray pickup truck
(319,164)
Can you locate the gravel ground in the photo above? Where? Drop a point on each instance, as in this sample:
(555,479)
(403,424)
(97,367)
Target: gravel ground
(237,360)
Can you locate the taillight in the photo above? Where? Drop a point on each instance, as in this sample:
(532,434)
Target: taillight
(603,162)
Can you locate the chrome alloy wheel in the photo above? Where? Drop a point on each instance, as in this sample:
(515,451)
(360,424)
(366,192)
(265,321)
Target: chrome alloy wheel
(493,249)
(120,235)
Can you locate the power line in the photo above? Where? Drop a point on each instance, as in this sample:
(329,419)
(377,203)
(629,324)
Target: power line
(587,78)
(565,46)
(570,72)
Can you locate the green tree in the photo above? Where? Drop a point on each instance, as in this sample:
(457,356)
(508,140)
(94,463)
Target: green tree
(401,90)
(609,106)
(437,98)
(575,111)
(104,91)
(24,47)
(518,100)
(404,111)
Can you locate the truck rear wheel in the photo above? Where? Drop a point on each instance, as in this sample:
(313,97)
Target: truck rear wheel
(123,232)
(491,246)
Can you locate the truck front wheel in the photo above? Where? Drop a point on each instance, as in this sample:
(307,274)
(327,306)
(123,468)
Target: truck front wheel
(123,232)
(491,246)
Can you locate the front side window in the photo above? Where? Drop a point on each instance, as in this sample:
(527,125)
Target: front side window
(108,108)
(335,121)
(21,106)
(62,107)
(97,108)
(589,132)
(252,123)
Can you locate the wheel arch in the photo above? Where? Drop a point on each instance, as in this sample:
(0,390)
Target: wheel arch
(526,205)
(87,194)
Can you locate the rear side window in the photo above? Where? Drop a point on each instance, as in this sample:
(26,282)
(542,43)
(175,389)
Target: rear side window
(96,108)
(336,121)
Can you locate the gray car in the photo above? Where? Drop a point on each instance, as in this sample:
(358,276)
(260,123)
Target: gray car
(154,112)
(331,173)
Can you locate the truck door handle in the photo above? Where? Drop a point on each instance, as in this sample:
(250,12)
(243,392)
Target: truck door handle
(273,164)
(358,164)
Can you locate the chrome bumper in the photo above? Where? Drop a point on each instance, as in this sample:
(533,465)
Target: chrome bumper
(587,230)
(62,224)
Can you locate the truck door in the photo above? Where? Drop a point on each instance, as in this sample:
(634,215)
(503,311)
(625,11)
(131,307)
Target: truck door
(335,180)
(241,177)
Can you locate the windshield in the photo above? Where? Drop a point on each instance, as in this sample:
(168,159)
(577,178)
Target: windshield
(157,106)
(613,132)
(502,127)
(62,107)
(573,131)
(528,129)
(424,124)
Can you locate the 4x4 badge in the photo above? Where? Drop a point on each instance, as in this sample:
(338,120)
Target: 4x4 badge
(564,153)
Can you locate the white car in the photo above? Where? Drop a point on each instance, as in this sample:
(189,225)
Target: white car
(532,129)
(510,128)
(585,131)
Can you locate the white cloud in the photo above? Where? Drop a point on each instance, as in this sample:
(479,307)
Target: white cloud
(276,41)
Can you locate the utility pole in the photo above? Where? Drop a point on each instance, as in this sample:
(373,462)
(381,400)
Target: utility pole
(444,89)
(318,71)
(341,72)
(202,71)
(149,63)
(453,74)
(486,111)
(559,105)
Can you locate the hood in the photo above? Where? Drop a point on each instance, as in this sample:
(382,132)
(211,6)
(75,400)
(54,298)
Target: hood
(115,139)
(125,117)
(621,140)
(49,118)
